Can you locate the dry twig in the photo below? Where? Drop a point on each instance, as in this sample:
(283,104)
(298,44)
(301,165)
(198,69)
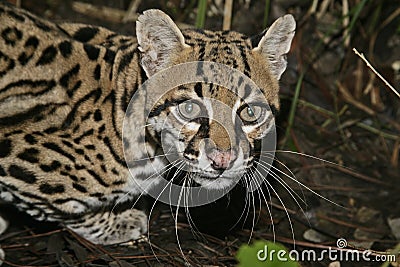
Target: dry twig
(104,13)
(227,15)
(361,55)
(131,15)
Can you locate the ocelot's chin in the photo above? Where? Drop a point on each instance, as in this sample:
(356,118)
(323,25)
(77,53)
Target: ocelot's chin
(217,182)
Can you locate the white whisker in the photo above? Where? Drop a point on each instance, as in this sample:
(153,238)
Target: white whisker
(280,200)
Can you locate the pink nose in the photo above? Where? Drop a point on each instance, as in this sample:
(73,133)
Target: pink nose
(221,159)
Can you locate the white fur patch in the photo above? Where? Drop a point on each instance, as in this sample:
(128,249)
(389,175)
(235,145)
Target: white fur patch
(3,225)
(6,196)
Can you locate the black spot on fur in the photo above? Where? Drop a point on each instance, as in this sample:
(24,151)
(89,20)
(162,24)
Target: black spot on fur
(79,151)
(67,143)
(86,116)
(79,187)
(125,61)
(54,147)
(51,130)
(52,167)
(73,177)
(97,72)
(65,79)
(51,189)
(90,147)
(85,34)
(97,178)
(30,139)
(7,65)
(22,174)
(2,171)
(32,42)
(71,91)
(23,58)
(103,168)
(120,182)
(91,51)
(30,45)
(43,85)
(97,115)
(109,56)
(79,167)
(85,134)
(16,16)
(99,195)
(5,148)
(68,168)
(30,155)
(48,55)
(65,49)
(11,35)
(101,129)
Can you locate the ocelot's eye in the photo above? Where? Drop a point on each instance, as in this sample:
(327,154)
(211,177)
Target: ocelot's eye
(189,110)
(251,113)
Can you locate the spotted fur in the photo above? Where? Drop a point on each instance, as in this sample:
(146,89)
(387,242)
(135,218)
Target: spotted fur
(64,91)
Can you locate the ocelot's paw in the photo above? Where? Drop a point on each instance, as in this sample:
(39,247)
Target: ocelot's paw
(109,228)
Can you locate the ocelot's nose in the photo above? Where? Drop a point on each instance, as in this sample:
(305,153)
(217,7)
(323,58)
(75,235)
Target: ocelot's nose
(221,160)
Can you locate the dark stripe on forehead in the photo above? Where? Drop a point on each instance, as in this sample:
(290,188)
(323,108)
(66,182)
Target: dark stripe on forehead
(202,52)
(199,70)
(198,88)
(247,90)
(240,81)
(245,62)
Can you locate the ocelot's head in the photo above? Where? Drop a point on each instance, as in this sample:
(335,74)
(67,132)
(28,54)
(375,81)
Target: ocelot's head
(212,128)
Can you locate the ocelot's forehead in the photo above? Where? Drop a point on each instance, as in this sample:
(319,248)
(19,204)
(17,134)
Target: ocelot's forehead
(234,50)
(226,47)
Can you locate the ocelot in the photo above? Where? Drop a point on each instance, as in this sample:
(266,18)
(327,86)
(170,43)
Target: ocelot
(64,93)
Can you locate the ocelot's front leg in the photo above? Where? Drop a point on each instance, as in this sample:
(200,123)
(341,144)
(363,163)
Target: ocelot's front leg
(110,228)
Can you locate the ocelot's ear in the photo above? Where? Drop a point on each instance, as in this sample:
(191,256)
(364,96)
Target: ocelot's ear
(159,40)
(275,44)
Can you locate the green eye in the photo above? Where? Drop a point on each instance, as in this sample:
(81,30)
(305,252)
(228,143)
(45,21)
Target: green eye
(251,113)
(189,110)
